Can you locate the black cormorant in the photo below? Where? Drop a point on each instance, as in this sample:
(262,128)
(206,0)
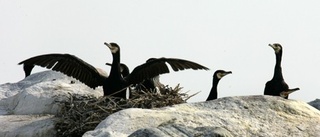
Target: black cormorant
(216,78)
(277,86)
(115,84)
(123,69)
(150,84)
(124,72)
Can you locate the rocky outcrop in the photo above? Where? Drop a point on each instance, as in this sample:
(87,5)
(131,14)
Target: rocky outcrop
(230,116)
(27,108)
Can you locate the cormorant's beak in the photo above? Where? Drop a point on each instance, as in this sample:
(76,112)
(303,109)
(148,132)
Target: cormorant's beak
(272,46)
(293,90)
(228,72)
(114,48)
(108,64)
(286,93)
(108,45)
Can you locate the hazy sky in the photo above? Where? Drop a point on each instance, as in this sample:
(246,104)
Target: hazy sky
(230,35)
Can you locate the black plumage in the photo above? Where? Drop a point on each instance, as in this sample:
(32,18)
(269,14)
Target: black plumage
(124,69)
(149,84)
(115,84)
(277,86)
(216,78)
(27,69)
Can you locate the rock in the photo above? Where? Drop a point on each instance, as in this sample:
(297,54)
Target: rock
(37,93)
(27,108)
(315,103)
(27,126)
(229,116)
(180,131)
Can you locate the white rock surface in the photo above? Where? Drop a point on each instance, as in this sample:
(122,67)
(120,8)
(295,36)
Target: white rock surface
(36,94)
(236,116)
(27,107)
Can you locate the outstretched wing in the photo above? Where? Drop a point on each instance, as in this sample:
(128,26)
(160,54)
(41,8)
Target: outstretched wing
(154,67)
(67,64)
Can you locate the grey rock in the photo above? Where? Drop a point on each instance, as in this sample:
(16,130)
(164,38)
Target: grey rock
(229,116)
(315,103)
(182,131)
(37,93)
(27,108)
(27,126)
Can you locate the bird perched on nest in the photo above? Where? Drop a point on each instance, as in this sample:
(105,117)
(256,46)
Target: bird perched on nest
(115,84)
(216,78)
(277,86)
(147,85)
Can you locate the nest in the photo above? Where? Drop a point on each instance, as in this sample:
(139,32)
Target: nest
(80,114)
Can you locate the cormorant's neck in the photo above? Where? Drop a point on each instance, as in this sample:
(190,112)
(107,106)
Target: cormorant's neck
(277,68)
(278,58)
(214,91)
(115,68)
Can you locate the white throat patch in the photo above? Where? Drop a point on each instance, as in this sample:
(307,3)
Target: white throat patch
(277,49)
(220,75)
(114,49)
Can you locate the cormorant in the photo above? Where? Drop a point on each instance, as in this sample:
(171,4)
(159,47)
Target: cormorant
(123,69)
(115,84)
(149,84)
(216,78)
(277,86)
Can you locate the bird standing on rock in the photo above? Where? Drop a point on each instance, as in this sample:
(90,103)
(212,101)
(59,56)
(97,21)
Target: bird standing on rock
(277,86)
(216,78)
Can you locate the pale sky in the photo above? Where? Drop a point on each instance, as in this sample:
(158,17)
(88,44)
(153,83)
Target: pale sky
(229,35)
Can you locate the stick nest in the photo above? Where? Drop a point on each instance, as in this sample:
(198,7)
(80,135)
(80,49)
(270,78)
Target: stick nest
(80,114)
